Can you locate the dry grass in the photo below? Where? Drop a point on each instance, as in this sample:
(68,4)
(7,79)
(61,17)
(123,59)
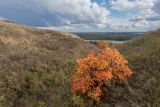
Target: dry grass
(143,88)
(35,66)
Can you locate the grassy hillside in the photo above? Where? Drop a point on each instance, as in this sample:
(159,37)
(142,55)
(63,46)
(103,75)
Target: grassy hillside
(143,54)
(35,66)
(143,88)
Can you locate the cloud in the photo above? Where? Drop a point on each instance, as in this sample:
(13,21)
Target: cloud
(152,14)
(148,15)
(128,5)
(127,25)
(83,15)
(1,18)
(54,12)
(156,7)
(151,18)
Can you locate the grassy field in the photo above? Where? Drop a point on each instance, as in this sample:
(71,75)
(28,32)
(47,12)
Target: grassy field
(36,67)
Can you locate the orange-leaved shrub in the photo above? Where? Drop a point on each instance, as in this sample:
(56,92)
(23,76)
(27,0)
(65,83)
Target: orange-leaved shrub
(97,72)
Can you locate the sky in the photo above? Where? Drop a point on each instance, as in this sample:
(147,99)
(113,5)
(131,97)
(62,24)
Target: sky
(84,15)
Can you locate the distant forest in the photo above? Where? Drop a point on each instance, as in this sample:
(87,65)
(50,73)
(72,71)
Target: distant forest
(122,36)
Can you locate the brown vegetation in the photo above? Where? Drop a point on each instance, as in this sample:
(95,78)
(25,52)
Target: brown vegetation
(35,65)
(143,88)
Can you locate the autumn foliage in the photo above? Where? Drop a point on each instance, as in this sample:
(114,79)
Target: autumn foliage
(97,72)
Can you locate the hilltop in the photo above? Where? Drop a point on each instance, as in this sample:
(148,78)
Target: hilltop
(36,64)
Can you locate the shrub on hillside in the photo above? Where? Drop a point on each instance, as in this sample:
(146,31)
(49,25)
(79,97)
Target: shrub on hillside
(95,73)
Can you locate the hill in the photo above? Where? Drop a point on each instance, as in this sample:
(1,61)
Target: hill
(143,88)
(35,65)
(143,54)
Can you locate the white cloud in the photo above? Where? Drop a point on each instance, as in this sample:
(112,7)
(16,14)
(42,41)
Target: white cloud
(125,24)
(142,19)
(54,12)
(144,15)
(78,11)
(151,14)
(127,5)
(83,15)
(156,7)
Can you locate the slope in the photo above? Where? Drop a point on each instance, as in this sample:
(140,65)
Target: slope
(36,64)
(143,88)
